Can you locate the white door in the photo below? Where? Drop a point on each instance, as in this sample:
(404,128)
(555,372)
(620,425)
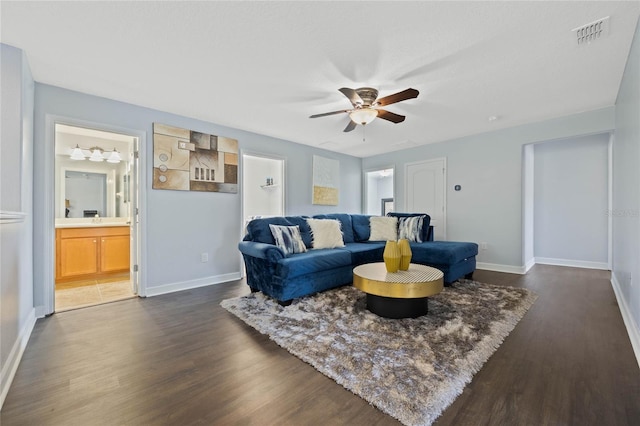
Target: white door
(425,183)
(134,216)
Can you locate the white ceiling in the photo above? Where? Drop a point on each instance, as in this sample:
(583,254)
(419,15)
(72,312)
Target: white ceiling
(266,66)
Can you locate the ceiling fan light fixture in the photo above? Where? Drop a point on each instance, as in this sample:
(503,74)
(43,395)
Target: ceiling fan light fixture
(363,115)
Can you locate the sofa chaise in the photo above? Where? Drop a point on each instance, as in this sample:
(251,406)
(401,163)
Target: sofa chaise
(285,276)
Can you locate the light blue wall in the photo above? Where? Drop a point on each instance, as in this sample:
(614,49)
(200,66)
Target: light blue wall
(571,187)
(17,314)
(626,188)
(180,224)
(489,169)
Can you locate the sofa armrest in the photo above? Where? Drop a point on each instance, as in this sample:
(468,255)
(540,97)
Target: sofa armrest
(261,250)
(430,233)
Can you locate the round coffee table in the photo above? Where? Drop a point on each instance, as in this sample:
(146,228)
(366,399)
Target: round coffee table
(402,294)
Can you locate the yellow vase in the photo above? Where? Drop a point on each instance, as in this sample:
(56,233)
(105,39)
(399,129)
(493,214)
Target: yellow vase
(391,256)
(405,254)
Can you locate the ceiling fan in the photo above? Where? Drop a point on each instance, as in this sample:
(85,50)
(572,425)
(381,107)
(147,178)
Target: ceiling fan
(366,106)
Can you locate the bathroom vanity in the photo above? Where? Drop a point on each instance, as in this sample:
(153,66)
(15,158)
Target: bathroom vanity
(91,250)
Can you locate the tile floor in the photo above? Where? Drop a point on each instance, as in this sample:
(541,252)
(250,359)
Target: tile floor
(85,293)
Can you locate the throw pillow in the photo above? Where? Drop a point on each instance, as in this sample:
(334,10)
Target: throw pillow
(410,228)
(383,228)
(288,238)
(325,233)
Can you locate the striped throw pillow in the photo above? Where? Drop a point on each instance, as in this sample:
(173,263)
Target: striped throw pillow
(288,238)
(410,228)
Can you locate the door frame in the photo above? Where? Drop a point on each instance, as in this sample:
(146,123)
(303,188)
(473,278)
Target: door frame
(528,216)
(138,248)
(258,154)
(443,161)
(365,185)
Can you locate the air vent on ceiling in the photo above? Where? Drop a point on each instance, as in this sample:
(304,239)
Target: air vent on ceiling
(591,32)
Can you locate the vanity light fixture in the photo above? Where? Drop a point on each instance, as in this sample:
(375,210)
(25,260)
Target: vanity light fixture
(96,155)
(77,154)
(114,157)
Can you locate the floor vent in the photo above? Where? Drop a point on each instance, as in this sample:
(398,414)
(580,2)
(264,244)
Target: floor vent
(591,32)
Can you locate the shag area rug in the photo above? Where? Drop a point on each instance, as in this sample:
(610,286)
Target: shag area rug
(411,369)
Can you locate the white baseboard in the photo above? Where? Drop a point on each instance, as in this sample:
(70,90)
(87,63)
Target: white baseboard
(530,264)
(630,324)
(11,366)
(573,263)
(510,269)
(40,312)
(187,285)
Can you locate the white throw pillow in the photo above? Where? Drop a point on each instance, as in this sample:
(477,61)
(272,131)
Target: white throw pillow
(325,233)
(383,228)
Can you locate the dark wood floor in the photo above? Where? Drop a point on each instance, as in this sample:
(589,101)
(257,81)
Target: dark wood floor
(180,359)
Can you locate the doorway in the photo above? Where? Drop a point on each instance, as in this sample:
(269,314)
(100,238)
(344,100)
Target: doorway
(263,186)
(567,202)
(95,217)
(378,191)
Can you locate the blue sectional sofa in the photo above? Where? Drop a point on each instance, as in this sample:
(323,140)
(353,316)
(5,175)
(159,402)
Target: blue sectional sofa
(289,276)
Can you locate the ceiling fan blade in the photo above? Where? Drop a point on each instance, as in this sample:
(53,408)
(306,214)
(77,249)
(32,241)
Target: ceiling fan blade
(397,97)
(390,116)
(350,126)
(328,113)
(352,95)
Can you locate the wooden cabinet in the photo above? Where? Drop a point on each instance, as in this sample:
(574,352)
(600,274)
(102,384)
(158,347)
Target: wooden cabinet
(85,253)
(114,253)
(77,256)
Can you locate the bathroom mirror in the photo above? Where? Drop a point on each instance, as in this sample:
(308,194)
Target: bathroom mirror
(85,194)
(86,191)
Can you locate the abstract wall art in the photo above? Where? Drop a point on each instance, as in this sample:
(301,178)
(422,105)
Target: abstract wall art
(326,181)
(186,160)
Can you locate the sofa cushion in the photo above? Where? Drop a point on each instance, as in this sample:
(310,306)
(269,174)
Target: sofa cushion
(345,221)
(258,229)
(288,238)
(383,228)
(312,261)
(325,233)
(362,253)
(361,227)
(442,252)
(426,221)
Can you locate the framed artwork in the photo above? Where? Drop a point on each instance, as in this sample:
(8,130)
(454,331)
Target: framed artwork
(387,206)
(186,160)
(326,181)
